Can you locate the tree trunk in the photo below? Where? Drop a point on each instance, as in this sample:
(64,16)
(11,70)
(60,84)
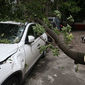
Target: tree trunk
(78,57)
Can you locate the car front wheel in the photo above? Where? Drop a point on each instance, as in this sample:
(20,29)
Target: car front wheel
(12,81)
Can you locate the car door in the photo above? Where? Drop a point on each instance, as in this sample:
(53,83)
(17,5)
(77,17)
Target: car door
(31,49)
(37,44)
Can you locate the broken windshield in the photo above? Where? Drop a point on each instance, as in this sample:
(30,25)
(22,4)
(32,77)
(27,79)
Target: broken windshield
(11,33)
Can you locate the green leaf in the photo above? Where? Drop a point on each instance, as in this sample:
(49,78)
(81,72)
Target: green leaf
(70,19)
(58,13)
(38,29)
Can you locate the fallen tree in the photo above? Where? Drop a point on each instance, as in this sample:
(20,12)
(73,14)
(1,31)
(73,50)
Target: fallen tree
(78,57)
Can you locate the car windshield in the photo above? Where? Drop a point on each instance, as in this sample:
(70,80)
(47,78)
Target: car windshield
(11,33)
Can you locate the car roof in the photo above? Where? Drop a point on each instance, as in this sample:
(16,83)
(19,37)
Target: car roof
(16,23)
(51,17)
(11,22)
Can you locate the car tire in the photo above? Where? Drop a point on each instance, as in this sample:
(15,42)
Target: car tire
(44,54)
(12,81)
(49,39)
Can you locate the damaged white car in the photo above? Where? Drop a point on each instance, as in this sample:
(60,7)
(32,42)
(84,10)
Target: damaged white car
(19,50)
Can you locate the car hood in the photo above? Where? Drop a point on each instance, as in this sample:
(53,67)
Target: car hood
(7,50)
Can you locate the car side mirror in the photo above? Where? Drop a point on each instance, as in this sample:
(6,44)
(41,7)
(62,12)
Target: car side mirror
(31,38)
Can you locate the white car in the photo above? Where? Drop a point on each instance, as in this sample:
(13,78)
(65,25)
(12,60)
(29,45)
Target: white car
(19,50)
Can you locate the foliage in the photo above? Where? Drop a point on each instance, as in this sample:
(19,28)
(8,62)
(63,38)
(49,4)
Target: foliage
(67,35)
(4,41)
(70,19)
(38,29)
(25,10)
(66,29)
(58,14)
(12,11)
(69,7)
(47,22)
(80,16)
(54,49)
(31,9)
(56,30)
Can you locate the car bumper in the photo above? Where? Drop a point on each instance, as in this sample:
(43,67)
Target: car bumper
(6,70)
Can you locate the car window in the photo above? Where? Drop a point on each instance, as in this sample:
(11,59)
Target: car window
(50,20)
(32,32)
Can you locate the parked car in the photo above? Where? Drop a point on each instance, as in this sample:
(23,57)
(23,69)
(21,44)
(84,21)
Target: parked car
(55,21)
(19,50)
